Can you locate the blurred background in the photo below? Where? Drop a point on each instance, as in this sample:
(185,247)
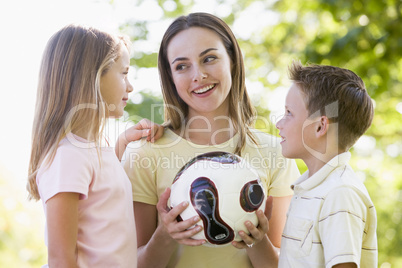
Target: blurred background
(364,36)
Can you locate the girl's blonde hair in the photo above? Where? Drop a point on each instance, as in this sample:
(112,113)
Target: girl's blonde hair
(241,111)
(68,95)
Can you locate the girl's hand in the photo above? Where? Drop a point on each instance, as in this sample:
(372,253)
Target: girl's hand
(143,129)
(178,230)
(257,234)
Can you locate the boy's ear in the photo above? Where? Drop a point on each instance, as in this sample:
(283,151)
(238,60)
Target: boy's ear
(322,126)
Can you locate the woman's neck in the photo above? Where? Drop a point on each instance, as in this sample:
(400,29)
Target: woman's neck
(207,129)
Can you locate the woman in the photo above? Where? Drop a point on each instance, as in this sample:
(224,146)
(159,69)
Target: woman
(207,109)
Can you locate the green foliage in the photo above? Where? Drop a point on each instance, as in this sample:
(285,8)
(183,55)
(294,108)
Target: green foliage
(144,60)
(151,107)
(363,36)
(180,8)
(20,246)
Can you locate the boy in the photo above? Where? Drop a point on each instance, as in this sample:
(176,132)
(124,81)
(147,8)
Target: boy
(331,220)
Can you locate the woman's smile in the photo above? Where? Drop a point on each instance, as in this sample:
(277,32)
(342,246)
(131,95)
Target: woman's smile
(201,91)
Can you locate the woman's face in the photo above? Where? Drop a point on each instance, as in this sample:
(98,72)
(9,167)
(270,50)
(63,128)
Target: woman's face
(201,71)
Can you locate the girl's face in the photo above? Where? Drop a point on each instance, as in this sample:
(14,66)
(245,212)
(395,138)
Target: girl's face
(201,70)
(114,85)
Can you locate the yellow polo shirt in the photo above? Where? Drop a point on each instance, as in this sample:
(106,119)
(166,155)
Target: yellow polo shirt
(152,167)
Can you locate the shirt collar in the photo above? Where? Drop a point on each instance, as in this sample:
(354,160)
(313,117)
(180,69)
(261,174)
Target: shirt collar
(306,183)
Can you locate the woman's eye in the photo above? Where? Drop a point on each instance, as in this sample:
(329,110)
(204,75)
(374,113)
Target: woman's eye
(180,67)
(209,58)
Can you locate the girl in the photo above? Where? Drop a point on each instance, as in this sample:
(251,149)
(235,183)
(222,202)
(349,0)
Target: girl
(207,109)
(85,192)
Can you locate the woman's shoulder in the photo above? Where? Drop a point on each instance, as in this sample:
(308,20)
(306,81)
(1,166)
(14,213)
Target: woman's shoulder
(163,144)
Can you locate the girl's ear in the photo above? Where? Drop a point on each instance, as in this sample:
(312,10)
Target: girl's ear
(322,126)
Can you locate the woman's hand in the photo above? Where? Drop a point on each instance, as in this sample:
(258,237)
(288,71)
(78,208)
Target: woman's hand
(178,231)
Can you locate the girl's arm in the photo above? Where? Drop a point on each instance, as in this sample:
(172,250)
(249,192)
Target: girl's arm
(144,128)
(155,242)
(62,228)
(267,237)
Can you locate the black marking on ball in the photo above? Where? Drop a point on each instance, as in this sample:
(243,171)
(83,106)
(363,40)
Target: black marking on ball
(251,196)
(205,200)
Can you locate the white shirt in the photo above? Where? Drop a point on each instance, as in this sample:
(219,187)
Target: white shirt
(331,220)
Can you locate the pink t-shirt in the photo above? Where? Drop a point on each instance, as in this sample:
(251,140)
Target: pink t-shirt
(106,226)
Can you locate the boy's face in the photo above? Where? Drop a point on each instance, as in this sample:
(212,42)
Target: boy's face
(291,126)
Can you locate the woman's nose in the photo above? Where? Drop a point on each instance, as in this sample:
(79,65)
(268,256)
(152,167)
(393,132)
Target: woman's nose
(199,74)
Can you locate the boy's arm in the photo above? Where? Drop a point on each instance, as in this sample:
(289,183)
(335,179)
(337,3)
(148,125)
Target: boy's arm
(62,228)
(142,129)
(343,217)
(262,252)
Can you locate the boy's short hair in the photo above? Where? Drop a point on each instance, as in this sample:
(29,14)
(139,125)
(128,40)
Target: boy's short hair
(328,86)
